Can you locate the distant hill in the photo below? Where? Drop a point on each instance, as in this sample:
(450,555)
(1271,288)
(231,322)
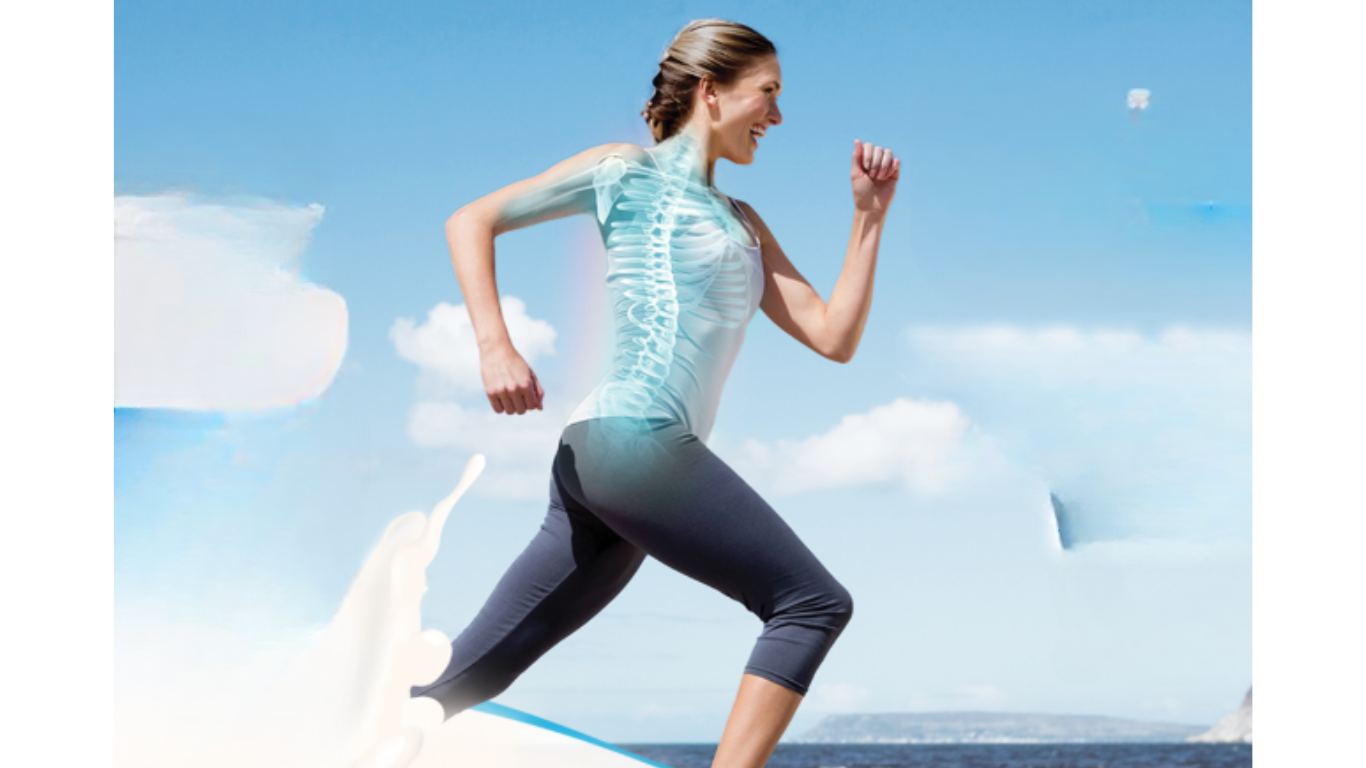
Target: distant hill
(989,728)
(1236,727)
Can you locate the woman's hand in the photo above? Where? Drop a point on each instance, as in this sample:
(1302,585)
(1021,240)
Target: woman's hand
(874,173)
(511,385)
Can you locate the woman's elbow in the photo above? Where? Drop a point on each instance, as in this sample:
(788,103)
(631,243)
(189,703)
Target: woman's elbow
(468,215)
(454,219)
(839,354)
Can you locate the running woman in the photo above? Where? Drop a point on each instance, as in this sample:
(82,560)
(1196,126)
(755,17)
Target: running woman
(688,267)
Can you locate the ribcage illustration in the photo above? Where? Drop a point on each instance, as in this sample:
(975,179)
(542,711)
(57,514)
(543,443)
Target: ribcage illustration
(671,255)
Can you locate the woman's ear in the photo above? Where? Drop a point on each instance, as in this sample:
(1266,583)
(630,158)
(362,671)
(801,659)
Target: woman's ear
(708,88)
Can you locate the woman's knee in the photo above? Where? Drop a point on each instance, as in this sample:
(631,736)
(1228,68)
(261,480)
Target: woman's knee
(841,604)
(828,605)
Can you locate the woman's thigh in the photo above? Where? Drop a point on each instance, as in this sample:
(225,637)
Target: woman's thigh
(662,489)
(571,569)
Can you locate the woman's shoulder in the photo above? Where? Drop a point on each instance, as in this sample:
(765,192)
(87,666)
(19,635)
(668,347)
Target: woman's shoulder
(626,151)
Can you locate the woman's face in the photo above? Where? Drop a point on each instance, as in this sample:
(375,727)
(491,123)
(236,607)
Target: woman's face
(748,107)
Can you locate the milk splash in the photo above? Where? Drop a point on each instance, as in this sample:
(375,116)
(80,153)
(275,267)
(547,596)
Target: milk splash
(342,702)
(375,650)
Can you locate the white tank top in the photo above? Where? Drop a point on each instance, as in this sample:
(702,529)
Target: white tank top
(685,277)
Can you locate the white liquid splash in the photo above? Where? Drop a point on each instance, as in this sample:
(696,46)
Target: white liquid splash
(342,701)
(374,651)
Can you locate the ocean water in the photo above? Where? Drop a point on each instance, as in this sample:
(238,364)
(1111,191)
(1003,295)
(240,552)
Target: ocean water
(969,755)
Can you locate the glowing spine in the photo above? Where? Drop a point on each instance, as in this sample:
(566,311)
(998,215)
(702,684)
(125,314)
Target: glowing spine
(648,284)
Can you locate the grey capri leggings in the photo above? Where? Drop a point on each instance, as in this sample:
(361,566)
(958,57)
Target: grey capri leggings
(622,488)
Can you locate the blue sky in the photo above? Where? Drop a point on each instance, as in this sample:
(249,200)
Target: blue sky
(1054,310)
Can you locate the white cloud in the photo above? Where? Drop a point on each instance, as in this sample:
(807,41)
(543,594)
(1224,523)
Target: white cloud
(1068,358)
(836,697)
(656,710)
(453,412)
(915,444)
(444,346)
(519,448)
(1141,436)
(956,698)
(210,312)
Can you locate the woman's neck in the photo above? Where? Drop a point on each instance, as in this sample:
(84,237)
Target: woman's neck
(687,152)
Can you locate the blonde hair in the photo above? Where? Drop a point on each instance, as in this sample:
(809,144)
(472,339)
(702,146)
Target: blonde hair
(716,49)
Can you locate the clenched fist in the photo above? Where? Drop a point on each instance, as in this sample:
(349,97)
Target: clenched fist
(874,172)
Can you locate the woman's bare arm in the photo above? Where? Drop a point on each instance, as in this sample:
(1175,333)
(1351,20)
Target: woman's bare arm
(563,190)
(833,329)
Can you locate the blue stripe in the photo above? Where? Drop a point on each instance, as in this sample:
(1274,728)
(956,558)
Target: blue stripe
(499,710)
